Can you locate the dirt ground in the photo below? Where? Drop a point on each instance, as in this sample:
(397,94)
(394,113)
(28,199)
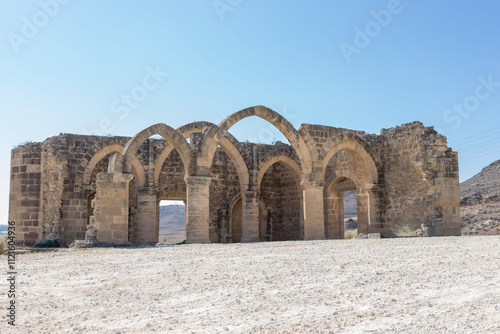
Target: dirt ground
(411,285)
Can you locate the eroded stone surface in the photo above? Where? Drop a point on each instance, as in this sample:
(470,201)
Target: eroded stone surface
(74,187)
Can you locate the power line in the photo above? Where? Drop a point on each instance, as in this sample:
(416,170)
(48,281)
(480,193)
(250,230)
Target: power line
(473,155)
(494,135)
(482,134)
(484,144)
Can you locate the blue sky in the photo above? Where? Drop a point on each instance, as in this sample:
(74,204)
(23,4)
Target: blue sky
(69,66)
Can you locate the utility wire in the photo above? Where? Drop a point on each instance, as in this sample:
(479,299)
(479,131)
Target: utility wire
(484,144)
(475,155)
(477,135)
(493,135)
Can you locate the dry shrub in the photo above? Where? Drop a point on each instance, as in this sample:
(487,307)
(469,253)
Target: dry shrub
(404,231)
(350,234)
(3,244)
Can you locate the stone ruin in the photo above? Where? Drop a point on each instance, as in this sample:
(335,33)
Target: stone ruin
(107,189)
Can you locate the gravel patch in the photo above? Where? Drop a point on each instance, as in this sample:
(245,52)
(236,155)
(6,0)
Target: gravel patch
(412,285)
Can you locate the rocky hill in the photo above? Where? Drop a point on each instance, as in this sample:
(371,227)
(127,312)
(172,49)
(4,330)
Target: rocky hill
(480,202)
(483,187)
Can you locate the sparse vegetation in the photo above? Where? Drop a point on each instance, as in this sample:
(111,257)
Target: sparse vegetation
(404,231)
(49,243)
(3,244)
(350,234)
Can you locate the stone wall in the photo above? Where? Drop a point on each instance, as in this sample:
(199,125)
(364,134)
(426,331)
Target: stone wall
(24,199)
(241,191)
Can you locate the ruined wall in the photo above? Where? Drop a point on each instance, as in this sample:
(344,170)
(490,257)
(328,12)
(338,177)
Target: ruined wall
(421,179)
(342,170)
(405,175)
(24,199)
(79,152)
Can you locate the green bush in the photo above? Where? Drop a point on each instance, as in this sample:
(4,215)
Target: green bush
(47,244)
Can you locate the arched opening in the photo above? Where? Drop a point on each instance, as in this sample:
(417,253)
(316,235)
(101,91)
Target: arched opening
(280,192)
(216,133)
(345,197)
(171,200)
(236,217)
(257,130)
(342,210)
(172,221)
(350,214)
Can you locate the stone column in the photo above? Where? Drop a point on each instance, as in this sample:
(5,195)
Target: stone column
(111,208)
(197,208)
(375,218)
(314,215)
(250,222)
(336,215)
(148,226)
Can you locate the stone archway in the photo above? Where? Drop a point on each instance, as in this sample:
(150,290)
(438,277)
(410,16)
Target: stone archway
(312,190)
(279,187)
(334,207)
(356,170)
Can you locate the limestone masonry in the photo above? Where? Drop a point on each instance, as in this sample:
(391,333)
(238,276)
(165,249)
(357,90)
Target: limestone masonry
(107,189)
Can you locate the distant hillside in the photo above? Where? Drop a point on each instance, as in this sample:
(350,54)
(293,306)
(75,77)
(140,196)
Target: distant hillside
(350,204)
(172,223)
(480,202)
(483,187)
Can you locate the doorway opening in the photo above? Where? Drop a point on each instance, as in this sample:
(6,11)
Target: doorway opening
(350,214)
(172,221)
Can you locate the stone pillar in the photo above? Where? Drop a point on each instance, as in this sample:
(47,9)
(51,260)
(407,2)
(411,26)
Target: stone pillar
(314,215)
(375,218)
(250,222)
(148,226)
(335,218)
(111,208)
(197,208)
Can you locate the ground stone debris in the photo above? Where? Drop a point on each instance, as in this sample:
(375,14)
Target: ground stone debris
(400,285)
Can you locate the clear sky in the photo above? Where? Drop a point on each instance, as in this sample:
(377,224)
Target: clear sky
(116,67)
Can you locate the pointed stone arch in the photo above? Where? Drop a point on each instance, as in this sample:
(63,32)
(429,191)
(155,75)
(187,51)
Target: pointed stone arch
(285,160)
(137,167)
(216,133)
(368,190)
(172,135)
(226,143)
(359,152)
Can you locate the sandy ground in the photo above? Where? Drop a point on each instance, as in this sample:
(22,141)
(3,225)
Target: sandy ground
(411,285)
